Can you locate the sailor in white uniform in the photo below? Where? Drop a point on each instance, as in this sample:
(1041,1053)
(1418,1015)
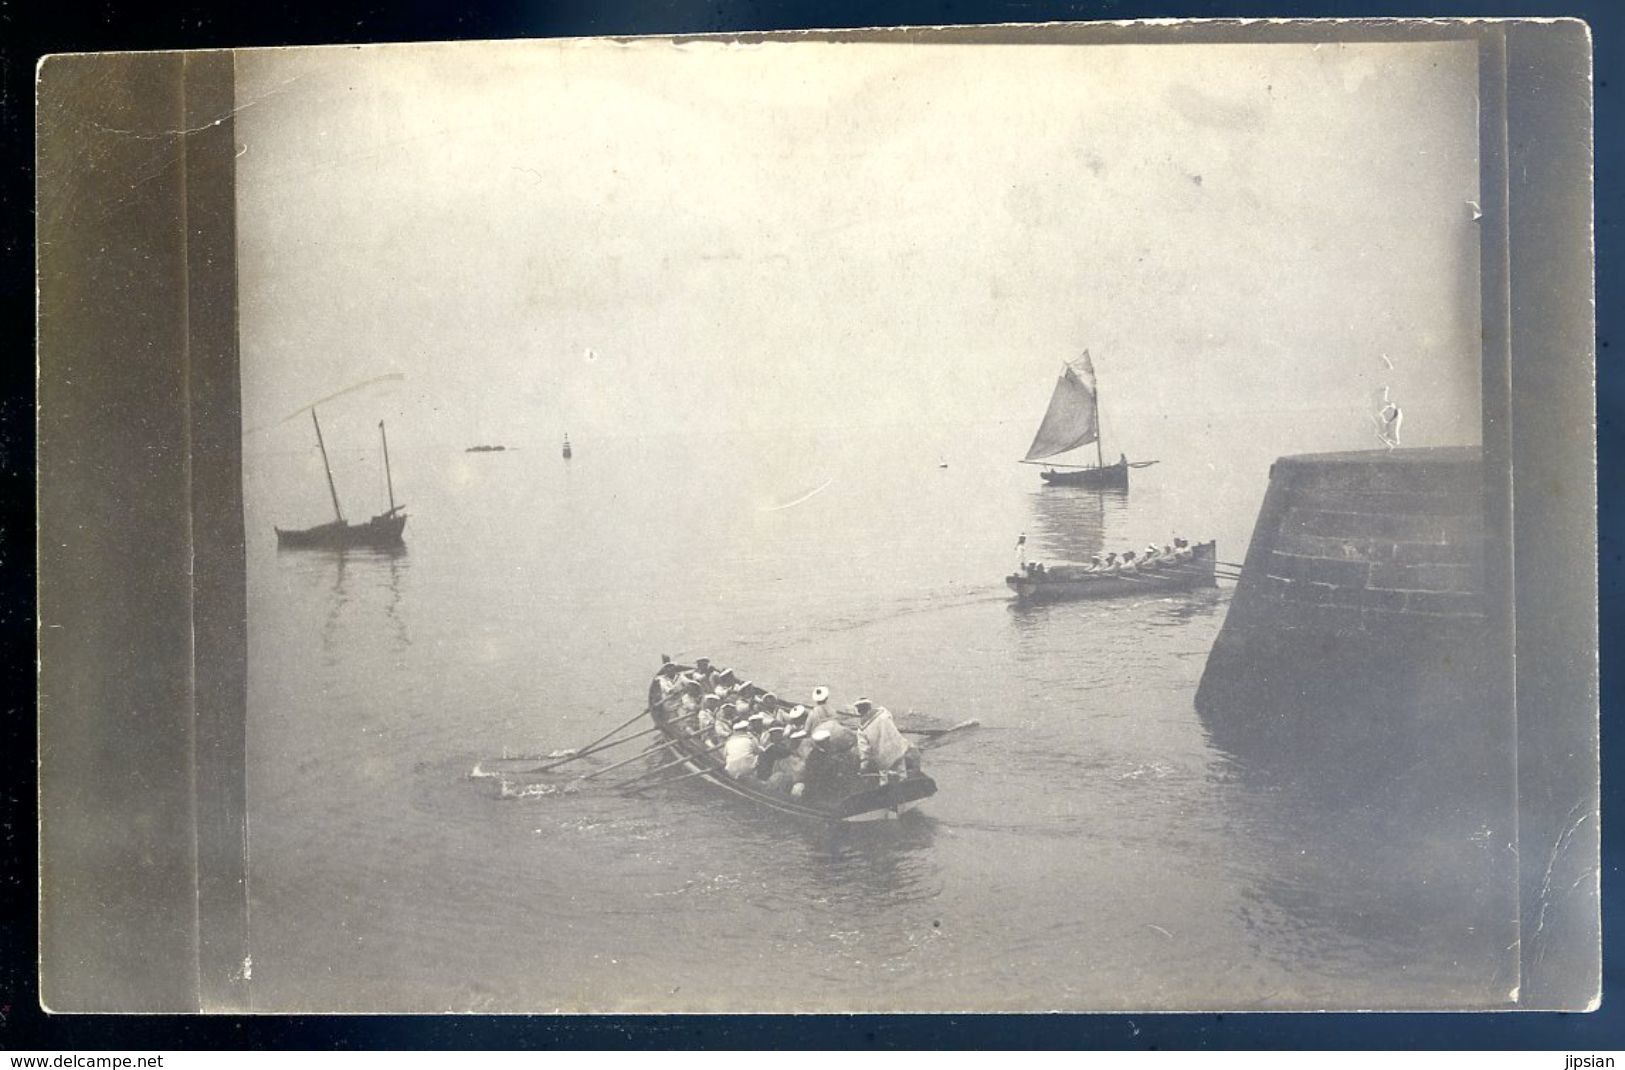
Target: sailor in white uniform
(740,751)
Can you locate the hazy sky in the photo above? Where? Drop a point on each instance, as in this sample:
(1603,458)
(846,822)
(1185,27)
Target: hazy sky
(611,237)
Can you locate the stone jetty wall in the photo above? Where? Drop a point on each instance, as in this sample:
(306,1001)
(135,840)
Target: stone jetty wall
(1361,629)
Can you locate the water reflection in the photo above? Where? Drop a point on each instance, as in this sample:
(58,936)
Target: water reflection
(1183,607)
(357,577)
(1070,523)
(874,863)
(1431,889)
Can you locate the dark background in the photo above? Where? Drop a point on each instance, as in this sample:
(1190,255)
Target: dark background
(68,27)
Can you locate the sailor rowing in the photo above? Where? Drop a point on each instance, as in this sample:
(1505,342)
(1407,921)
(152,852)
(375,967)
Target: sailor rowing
(1176,566)
(805,758)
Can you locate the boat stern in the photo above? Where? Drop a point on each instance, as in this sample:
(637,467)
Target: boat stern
(1020,584)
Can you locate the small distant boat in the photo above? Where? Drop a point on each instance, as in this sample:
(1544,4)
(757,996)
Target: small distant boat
(485,449)
(1051,583)
(1073,420)
(567,447)
(381,532)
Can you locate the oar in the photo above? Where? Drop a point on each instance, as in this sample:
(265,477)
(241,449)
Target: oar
(641,754)
(662,768)
(590,749)
(579,750)
(948,735)
(668,780)
(937,733)
(577,755)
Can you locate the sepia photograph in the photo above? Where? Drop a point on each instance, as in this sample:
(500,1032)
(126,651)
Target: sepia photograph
(584,377)
(880,522)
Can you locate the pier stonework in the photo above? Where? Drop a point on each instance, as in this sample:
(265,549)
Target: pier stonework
(1361,631)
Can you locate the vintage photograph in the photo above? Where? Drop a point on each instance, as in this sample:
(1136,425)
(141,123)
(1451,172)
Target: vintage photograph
(1069,518)
(837,525)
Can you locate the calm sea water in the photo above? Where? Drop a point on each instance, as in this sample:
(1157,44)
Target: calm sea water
(1089,849)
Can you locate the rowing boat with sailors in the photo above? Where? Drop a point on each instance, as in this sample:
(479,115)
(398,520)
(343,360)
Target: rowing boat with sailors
(1176,566)
(800,758)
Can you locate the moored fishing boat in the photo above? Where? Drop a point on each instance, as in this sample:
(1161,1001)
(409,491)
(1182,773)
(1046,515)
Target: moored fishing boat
(698,757)
(381,532)
(1046,583)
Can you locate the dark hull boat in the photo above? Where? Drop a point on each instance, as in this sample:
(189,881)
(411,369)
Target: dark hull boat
(1073,420)
(705,763)
(1112,476)
(382,532)
(1039,583)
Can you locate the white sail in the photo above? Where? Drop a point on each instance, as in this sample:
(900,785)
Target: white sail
(1073,418)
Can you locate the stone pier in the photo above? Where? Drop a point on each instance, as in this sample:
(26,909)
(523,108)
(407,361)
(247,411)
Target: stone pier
(1361,641)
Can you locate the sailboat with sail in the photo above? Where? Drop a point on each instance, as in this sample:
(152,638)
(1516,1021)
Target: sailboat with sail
(1073,420)
(381,532)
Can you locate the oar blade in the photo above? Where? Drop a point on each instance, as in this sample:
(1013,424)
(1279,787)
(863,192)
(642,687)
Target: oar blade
(949,735)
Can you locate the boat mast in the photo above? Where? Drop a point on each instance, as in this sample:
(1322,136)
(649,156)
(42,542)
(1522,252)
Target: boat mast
(1100,455)
(326,467)
(388,480)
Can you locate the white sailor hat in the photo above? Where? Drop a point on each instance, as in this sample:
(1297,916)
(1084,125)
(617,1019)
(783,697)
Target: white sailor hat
(798,733)
(742,706)
(725,674)
(741,726)
(862,704)
(758,716)
(797,712)
(701,663)
(820,694)
(822,733)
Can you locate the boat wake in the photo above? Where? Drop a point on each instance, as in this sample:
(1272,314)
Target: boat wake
(930,603)
(507,790)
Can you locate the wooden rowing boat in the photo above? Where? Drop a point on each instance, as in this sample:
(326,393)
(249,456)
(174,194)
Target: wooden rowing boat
(1051,583)
(704,762)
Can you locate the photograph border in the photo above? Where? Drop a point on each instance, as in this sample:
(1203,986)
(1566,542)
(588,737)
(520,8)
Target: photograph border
(192,418)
